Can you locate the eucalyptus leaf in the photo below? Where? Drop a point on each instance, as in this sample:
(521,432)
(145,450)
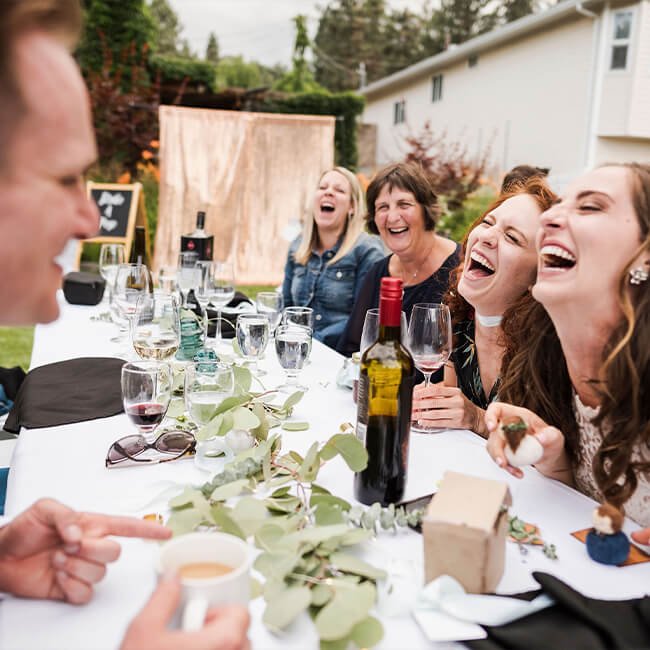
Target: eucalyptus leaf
(273,587)
(232,489)
(232,402)
(243,418)
(347,608)
(185,498)
(257,589)
(329,499)
(367,633)
(261,432)
(275,565)
(288,504)
(267,536)
(310,465)
(176,408)
(356,536)
(226,523)
(349,447)
(211,429)
(280,480)
(318,534)
(292,400)
(295,426)
(352,564)
(226,423)
(185,521)
(286,607)
(321,594)
(280,492)
(326,515)
(339,644)
(250,514)
(243,378)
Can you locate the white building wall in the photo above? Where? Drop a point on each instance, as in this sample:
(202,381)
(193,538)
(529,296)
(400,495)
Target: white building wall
(529,98)
(622,150)
(639,120)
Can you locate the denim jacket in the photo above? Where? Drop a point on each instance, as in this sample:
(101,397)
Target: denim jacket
(329,290)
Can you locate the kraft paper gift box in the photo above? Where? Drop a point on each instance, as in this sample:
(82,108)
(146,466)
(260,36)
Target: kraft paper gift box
(465,529)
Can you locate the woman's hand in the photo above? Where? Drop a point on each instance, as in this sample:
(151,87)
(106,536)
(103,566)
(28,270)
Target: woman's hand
(554,463)
(446,407)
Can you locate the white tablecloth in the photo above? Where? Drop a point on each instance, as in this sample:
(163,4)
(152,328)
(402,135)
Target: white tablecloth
(67,463)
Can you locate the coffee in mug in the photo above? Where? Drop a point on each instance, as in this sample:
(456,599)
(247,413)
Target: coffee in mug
(199,570)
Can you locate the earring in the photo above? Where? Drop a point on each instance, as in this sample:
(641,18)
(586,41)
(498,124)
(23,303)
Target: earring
(638,275)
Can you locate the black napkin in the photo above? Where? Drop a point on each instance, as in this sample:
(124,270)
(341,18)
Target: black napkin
(66,392)
(228,321)
(11,379)
(574,622)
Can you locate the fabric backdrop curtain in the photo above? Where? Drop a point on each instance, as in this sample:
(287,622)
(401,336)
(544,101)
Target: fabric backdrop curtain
(253,174)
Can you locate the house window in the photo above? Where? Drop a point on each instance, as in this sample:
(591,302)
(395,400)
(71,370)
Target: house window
(472,60)
(436,88)
(399,112)
(621,39)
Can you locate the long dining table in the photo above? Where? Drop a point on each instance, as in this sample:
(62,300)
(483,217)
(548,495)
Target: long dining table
(67,463)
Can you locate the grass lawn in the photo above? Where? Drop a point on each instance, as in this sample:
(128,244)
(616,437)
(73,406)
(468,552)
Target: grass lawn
(16,342)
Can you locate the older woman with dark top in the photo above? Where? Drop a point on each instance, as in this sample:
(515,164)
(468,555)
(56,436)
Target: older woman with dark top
(402,210)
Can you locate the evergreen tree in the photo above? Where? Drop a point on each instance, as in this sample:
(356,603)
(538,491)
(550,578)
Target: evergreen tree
(515,9)
(121,29)
(212,50)
(300,78)
(167,27)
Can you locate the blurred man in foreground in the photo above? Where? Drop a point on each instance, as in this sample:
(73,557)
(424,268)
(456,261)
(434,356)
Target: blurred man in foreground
(46,145)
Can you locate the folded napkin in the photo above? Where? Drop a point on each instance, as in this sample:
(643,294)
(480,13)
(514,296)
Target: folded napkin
(66,392)
(573,621)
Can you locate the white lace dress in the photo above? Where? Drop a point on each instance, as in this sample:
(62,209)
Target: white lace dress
(589,440)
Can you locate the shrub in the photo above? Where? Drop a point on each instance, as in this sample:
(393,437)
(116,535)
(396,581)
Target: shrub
(175,68)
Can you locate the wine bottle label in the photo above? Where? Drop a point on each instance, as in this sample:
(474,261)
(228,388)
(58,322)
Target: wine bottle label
(362,408)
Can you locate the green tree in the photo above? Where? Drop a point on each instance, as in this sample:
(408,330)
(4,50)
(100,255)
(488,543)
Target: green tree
(167,27)
(300,79)
(456,21)
(124,28)
(233,71)
(515,9)
(186,50)
(212,50)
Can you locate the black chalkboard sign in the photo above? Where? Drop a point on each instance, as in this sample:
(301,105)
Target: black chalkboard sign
(121,208)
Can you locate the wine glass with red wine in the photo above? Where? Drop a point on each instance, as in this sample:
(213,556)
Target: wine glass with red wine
(146,391)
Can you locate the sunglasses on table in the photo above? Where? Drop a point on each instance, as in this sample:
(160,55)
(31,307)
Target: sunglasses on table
(168,446)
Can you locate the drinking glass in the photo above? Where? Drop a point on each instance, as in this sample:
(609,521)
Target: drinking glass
(131,282)
(370,332)
(253,337)
(207,384)
(146,391)
(110,257)
(203,291)
(188,275)
(430,342)
(155,326)
(303,316)
(222,291)
(167,279)
(292,345)
(269,303)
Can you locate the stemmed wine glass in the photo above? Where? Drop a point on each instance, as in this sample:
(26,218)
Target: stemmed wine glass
(370,332)
(269,303)
(253,337)
(155,326)
(222,291)
(430,343)
(131,282)
(292,345)
(188,276)
(303,316)
(110,257)
(146,391)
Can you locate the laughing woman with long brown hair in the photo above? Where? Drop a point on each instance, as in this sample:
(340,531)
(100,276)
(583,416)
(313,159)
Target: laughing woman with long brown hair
(580,357)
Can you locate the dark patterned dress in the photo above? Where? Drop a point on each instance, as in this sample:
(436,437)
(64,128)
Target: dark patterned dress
(466,366)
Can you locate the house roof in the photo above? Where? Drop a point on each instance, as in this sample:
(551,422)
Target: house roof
(489,40)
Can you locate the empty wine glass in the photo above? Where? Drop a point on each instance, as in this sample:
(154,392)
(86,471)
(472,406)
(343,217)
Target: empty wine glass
(131,282)
(269,303)
(253,337)
(292,345)
(188,276)
(110,257)
(155,326)
(222,291)
(203,291)
(146,391)
(430,342)
(370,332)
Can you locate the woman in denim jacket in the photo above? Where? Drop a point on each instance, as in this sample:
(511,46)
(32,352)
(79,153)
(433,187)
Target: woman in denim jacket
(326,265)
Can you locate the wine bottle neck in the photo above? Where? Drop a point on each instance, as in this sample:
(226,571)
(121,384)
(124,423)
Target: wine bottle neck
(389,333)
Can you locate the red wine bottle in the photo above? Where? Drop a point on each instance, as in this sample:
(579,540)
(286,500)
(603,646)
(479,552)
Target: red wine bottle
(384,404)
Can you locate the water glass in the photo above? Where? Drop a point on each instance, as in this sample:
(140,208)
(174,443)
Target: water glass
(146,391)
(131,282)
(155,326)
(303,316)
(292,346)
(430,342)
(188,276)
(167,279)
(222,291)
(110,257)
(370,332)
(269,303)
(253,337)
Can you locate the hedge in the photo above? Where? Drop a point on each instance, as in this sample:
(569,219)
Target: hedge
(174,68)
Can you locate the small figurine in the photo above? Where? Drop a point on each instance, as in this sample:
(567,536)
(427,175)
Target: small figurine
(606,542)
(521,448)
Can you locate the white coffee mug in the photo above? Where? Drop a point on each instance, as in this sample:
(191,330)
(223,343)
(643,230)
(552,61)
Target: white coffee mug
(198,594)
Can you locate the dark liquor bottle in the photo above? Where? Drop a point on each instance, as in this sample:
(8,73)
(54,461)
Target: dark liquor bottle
(385,390)
(198,240)
(140,253)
